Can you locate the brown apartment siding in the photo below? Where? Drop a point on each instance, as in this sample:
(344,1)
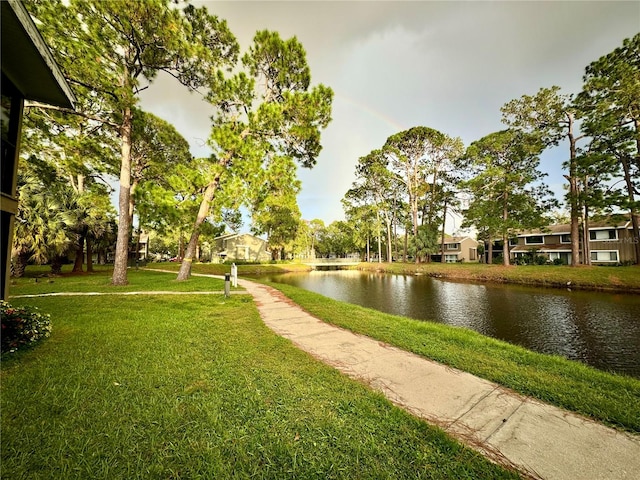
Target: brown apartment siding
(624,245)
(547,240)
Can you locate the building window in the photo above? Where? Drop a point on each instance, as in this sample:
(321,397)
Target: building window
(565,257)
(453,246)
(600,235)
(534,240)
(604,256)
(450,258)
(513,241)
(566,238)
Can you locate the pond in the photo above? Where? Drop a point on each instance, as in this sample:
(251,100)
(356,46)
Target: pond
(599,329)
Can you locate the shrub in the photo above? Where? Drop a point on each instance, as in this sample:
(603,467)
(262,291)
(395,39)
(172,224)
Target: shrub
(22,326)
(540,260)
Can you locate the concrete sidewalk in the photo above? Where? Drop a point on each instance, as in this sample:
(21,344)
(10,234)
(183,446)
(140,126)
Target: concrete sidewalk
(539,440)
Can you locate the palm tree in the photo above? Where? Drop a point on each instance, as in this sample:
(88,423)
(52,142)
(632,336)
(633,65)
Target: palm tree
(87,219)
(40,231)
(40,228)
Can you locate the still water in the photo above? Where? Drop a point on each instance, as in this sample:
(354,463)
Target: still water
(600,329)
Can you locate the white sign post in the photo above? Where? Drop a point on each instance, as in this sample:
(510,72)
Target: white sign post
(234,275)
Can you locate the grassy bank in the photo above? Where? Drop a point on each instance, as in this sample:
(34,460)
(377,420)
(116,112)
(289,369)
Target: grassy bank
(611,399)
(622,279)
(197,387)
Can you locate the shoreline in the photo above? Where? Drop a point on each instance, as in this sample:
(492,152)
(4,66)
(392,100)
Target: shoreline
(624,280)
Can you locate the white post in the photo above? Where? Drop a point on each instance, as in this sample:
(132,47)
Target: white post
(234,275)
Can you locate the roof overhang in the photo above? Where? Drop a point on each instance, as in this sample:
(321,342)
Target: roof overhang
(27,61)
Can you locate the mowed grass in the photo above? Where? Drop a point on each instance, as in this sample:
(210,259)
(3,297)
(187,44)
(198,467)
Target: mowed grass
(608,398)
(197,387)
(36,281)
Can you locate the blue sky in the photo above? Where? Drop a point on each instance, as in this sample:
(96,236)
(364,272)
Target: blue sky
(395,65)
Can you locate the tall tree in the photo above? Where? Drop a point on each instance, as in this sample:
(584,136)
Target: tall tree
(108,49)
(420,156)
(377,186)
(156,149)
(507,191)
(552,116)
(316,227)
(364,221)
(265,113)
(610,106)
(274,206)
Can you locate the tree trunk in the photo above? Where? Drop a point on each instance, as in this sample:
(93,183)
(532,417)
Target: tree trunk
(444,221)
(368,251)
(635,223)
(77,266)
(573,196)
(122,243)
(81,179)
(56,265)
(575,221)
(89,255)
(635,217)
(209,194)
(414,216)
(505,234)
(586,251)
(389,250)
(406,245)
(505,250)
(395,237)
(490,259)
(132,202)
(20,265)
(379,235)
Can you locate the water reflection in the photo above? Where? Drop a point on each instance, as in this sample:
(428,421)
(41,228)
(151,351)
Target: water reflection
(599,329)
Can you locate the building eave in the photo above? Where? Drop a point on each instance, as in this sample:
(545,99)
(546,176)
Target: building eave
(27,61)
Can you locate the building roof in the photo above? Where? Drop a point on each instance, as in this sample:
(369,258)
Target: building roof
(450,239)
(565,228)
(227,236)
(27,61)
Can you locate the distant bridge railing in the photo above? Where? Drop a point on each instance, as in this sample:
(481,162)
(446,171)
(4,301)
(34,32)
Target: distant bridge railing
(331,261)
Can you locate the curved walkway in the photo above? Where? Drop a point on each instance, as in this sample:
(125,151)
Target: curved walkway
(539,440)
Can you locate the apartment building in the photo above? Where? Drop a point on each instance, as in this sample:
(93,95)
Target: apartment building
(610,243)
(458,249)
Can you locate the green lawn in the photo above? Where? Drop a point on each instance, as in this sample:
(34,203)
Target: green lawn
(37,281)
(197,387)
(611,399)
